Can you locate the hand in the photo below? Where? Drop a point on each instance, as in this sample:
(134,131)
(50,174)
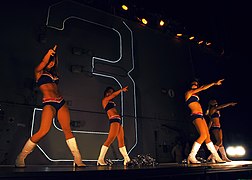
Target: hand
(125,89)
(233,104)
(55,47)
(52,52)
(219,82)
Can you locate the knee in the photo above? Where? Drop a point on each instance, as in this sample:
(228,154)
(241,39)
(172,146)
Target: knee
(39,135)
(68,133)
(109,141)
(107,144)
(66,129)
(202,138)
(121,144)
(43,132)
(218,143)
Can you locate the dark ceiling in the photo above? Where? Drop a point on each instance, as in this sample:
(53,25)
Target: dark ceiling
(220,22)
(224,23)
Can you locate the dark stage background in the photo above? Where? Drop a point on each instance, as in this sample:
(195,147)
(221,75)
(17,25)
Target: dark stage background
(96,50)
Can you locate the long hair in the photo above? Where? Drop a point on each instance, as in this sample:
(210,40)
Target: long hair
(107,89)
(54,70)
(194,80)
(211,103)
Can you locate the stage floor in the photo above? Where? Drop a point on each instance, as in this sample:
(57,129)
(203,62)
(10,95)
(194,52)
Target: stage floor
(229,170)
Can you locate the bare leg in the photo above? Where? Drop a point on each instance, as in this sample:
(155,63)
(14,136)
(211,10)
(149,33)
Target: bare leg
(64,120)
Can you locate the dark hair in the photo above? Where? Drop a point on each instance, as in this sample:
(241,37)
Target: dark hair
(54,69)
(212,102)
(193,82)
(107,89)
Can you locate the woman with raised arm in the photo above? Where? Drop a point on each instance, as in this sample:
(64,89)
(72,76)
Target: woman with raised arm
(116,129)
(192,101)
(214,126)
(46,75)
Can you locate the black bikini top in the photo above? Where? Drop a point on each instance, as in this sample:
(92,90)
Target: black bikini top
(215,115)
(47,78)
(110,105)
(193,98)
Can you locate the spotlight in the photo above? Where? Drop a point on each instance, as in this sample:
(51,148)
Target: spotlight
(144,21)
(200,42)
(208,43)
(236,151)
(161,23)
(191,37)
(124,7)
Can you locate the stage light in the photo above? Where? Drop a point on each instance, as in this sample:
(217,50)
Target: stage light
(191,37)
(231,151)
(208,43)
(161,23)
(179,34)
(240,151)
(236,151)
(144,21)
(124,7)
(200,42)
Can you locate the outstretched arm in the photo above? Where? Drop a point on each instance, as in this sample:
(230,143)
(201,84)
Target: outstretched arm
(225,105)
(204,87)
(116,93)
(45,60)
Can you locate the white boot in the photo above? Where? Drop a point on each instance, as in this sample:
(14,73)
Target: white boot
(101,157)
(223,154)
(216,157)
(192,156)
(27,149)
(125,155)
(75,151)
(210,158)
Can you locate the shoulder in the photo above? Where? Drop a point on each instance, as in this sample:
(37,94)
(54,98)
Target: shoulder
(105,101)
(188,93)
(38,73)
(212,110)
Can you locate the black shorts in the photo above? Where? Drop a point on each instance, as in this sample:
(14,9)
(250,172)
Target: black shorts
(195,116)
(115,120)
(56,105)
(214,128)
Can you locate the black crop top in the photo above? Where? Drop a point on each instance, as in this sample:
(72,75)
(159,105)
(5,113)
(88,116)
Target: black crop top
(215,115)
(193,98)
(47,78)
(110,105)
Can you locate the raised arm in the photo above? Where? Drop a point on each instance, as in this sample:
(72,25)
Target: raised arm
(204,87)
(45,60)
(116,93)
(225,105)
